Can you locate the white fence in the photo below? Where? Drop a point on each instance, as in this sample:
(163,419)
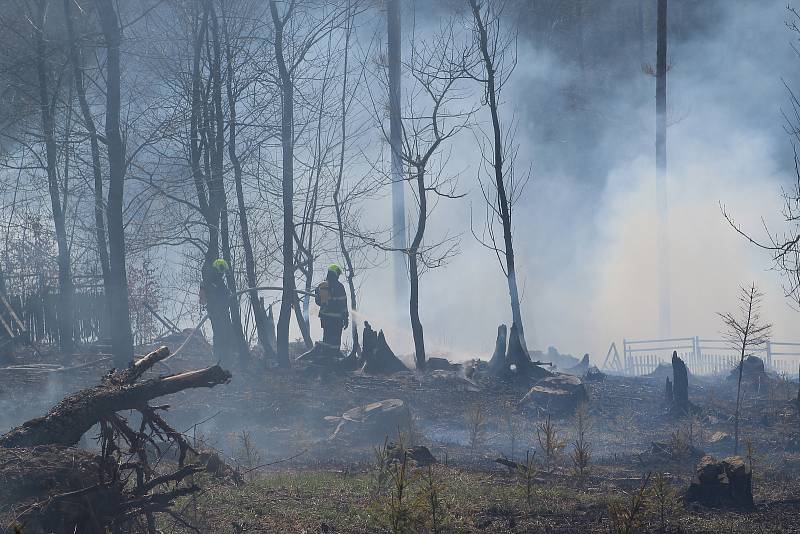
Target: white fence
(702,356)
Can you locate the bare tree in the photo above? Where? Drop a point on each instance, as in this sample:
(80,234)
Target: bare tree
(217,131)
(745,332)
(209,187)
(76,59)
(496,46)
(49,79)
(121,336)
(235,85)
(298,27)
(434,113)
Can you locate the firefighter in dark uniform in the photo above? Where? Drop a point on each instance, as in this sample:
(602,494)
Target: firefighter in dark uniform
(331,298)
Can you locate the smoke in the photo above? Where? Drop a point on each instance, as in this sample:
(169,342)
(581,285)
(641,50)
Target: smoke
(585,225)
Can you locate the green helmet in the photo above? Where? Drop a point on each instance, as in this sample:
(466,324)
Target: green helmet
(220,265)
(336,269)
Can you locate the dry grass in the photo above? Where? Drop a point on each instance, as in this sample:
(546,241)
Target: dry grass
(466,500)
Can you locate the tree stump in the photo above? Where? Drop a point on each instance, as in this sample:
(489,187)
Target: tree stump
(512,360)
(497,364)
(378,356)
(728,483)
(680,386)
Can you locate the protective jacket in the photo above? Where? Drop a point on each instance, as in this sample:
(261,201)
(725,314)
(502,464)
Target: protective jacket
(331,298)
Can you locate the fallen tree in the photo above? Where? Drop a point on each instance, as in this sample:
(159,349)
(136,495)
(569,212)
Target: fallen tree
(46,485)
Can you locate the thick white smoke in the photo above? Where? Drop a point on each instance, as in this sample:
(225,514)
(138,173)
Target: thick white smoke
(586,244)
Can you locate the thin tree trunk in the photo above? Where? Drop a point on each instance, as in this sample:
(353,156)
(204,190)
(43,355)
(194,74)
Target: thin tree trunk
(502,197)
(413,257)
(741,371)
(665,326)
(302,324)
(89,124)
(338,188)
(46,105)
(312,213)
(259,313)
(121,336)
(287,143)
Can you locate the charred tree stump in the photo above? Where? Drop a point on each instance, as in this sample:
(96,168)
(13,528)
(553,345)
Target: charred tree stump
(498,362)
(513,361)
(378,356)
(680,388)
(668,397)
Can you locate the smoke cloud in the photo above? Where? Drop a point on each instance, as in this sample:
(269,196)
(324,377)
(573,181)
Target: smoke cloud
(585,225)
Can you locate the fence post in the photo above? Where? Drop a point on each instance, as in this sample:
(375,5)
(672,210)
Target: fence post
(625,356)
(769,355)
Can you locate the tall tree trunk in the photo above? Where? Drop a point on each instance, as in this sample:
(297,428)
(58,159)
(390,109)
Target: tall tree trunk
(640,21)
(395,132)
(47,108)
(97,173)
(259,313)
(287,144)
(217,303)
(664,312)
(499,179)
(208,195)
(217,173)
(413,257)
(121,336)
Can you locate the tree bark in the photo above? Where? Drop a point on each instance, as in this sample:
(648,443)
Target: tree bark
(287,145)
(413,257)
(66,325)
(121,336)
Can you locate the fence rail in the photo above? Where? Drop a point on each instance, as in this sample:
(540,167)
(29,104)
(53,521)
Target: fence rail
(702,356)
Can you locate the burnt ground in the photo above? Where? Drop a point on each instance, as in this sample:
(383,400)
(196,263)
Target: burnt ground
(271,423)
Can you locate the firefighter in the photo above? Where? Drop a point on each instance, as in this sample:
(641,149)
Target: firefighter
(331,298)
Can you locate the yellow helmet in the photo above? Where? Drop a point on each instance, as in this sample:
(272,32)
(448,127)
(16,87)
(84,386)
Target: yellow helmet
(220,265)
(335,268)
